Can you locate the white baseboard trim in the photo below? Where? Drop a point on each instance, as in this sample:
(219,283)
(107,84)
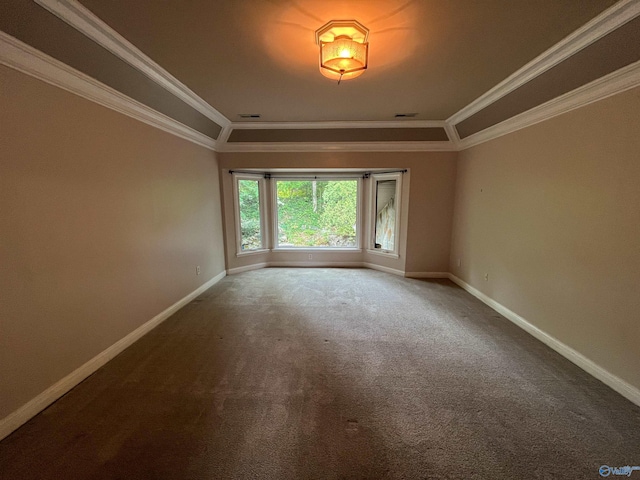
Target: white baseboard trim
(623,388)
(380,268)
(316,264)
(426,274)
(373,266)
(30,409)
(247,268)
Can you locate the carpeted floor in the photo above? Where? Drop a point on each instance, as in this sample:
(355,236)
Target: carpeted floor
(331,374)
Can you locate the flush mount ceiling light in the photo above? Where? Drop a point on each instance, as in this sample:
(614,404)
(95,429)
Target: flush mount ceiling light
(344,51)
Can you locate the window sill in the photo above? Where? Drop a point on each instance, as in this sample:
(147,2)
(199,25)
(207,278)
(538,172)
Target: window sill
(252,252)
(317,249)
(383,253)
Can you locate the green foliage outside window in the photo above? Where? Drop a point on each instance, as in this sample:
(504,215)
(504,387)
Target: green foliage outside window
(249,198)
(317,213)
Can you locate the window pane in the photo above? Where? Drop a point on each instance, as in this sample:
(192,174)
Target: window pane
(385,214)
(249,202)
(317,213)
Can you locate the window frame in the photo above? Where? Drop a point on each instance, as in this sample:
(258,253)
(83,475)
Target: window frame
(237,177)
(371,234)
(273,211)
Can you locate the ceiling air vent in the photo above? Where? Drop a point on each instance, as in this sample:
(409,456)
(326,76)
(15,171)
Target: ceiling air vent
(249,115)
(405,115)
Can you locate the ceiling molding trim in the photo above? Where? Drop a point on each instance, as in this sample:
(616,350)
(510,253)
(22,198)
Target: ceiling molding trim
(339,147)
(452,133)
(609,20)
(616,82)
(338,124)
(224,135)
(26,59)
(86,22)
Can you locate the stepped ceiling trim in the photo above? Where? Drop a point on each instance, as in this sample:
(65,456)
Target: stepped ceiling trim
(612,52)
(20,56)
(340,147)
(616,82)
(608,21)
(26,59)
(83,20)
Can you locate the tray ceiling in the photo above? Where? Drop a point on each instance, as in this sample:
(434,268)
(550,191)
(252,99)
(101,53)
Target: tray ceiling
(243,75)
(429,57)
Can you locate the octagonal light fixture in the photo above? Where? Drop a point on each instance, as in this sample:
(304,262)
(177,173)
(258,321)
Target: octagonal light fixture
(344,49)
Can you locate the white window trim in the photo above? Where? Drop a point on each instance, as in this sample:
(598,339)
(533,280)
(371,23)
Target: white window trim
(382,253)
(371,233)
(274,213)
(263,211)
(316,249)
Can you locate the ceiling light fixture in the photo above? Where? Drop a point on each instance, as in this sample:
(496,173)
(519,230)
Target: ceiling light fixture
(344,51)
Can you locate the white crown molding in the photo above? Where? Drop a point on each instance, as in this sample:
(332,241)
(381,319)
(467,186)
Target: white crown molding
(606,22)
(452,133)
(224,135)
(337,124)
(225,146)
(623,388)
(28,60)
(85,21)
(338,147)
(617,82)
(29,410)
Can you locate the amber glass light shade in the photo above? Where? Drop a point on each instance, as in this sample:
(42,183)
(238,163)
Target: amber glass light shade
(343,57)
(344,50)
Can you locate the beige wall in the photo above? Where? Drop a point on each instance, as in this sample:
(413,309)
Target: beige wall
(552,214)
(427,209)
(103,220)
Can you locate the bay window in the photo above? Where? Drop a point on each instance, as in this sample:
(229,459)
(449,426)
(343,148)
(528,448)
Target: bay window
(316,213)
(250,213)
(385,213)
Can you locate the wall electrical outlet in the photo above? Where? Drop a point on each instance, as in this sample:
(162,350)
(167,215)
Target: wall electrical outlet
(198,270)
(459,262)
(486,277)
(310,256)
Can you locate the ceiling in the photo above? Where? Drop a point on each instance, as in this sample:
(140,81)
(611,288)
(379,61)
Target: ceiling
(430,57)
(464,71)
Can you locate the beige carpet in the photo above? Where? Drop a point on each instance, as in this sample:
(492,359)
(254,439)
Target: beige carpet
(330,374)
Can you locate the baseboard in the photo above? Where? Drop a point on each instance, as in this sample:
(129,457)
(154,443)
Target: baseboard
(247,268)
(19,417)
(256,266)
(29,410)
(426,274)
(380,268)
(623,388)
(316,264)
